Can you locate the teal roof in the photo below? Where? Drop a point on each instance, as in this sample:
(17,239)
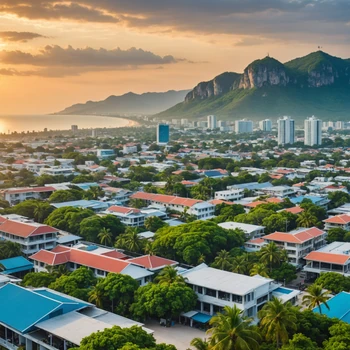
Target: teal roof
(21,308)
(339,307)
(17,264)
(202,318)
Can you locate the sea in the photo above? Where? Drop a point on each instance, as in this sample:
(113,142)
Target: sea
(20,123)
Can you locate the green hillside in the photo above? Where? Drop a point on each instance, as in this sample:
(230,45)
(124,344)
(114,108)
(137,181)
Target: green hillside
(317,84)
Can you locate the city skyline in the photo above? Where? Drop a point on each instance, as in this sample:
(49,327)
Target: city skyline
(87,50)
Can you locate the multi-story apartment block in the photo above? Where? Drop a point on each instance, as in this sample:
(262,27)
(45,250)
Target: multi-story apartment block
(17,195)
(230,195)
(286,131)
(339,221)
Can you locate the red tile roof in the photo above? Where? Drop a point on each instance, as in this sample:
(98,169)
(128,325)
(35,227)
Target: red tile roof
(152,261)
(22,229)
(30,189)
(220,201)
(274,200)
(162,198)
(295,237)
(256,240)
(115,254)
(294,210)
(338,219)
(328,257)
(122,210)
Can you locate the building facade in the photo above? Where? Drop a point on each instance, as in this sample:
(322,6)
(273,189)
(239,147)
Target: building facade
(163,133)
(212,122)
(286,131)
(313,131)
(265,125)
(243,126)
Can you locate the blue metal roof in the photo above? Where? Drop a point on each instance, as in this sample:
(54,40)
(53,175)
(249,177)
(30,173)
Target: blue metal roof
(16,264)
(83,203)
(339,307)
(213,173)
(21,308)
(313,199)
(202,318)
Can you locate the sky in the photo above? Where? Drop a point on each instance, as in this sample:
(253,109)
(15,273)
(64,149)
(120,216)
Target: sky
(57,53)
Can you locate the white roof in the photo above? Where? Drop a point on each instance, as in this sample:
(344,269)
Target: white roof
(73,326)
(230,225)
(336,248)
(136,272)
(224,281)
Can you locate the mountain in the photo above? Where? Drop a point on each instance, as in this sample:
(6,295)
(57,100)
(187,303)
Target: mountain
(316,84)
(129,104)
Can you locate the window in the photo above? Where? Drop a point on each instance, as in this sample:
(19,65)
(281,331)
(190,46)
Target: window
(199,290)
(206,307)
(210,292)
(237,299)
(261,299)
(224,296)
(217,309)
(100,272)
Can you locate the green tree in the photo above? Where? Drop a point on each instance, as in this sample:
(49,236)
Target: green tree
(137,203)
(9,249)
(115,292)
(339,337)
(94,192)
(105,236)
(163,300)
(315,297)
(42,211)
(277,320)
(33,209)
(300,342)
(223,261)
(38,279)
(131,241)
(57,270)
(284,273)
(270,255)
(154,223)
(200,344)
(259,269)
(336,235)
(306,219)
(240,264)
(169,275)
(231,331)
(334,282)
(61,196)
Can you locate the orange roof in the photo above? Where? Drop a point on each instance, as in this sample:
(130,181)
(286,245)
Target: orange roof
(22,229)
(152,261)
(338,219)
(51,258)
(274,200)
(254,204)
(220,201)
(298,237)
(122,210)
(294,210)
(276,176)
(300,184)
(256,240)
(30,189)
(115,254)
(328,257)
(162,198)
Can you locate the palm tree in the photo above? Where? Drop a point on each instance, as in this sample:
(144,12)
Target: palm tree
(259,269)
(94,192)
(316,297)
(169,275)
(306,219)
(40,210)
(96,296)
(231,331)
(200,344)
(270,255)
(223,260)
(105,236)
(131,240)
(240,264)
(276,319)
(11,249)
(58,270)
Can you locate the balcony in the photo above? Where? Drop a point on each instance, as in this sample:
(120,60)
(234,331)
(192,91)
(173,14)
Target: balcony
(7,344)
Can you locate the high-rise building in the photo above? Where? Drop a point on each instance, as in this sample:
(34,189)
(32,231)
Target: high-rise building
(339,125)
(93,133)
(286,131)
(243,126)
(163,133)
(74,128)
(313,131)
(212,123)
(265,125)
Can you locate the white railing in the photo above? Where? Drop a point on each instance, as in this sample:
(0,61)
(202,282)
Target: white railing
(7,344)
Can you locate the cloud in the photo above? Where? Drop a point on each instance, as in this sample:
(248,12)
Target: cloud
(19,36)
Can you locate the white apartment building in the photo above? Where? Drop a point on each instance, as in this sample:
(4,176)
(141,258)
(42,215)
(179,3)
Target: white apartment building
(230,195)
(313,131)
(128,216)
(278,191)
(17,195)
(212,122)
(339,221)
(105,153)
(130,148)
(251,231)
(286,131)
(298,243)
(202,210)
(30,235)
(265,125)
(57,170)
(243,126)
(217,288)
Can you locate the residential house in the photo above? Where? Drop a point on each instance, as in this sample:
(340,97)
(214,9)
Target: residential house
(339,221)
(230,195)
(17,195)
(251,231)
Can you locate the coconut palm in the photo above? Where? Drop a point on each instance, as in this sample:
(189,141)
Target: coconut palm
(40,211)
(231,331)
(315,297)
(94,192)
(131,240)
(58,270)
(96,296)
(306,219)
(223,260)
(11,249)
(169,275)
(240,264)
(276,320)
(270,255)
(105,236)
(200,344)
(259,269)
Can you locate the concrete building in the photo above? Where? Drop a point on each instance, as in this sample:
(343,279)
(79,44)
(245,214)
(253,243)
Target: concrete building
(212,122)
(74,128)
(313,131)
(105,153)
(286,131)
(217,288)
(265,125)
(230,195)
(130,148)
(279,191)
(339,221)
(243,126)
(251,231)
(128,216)
(17,195)
(43,319)
(163,134)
